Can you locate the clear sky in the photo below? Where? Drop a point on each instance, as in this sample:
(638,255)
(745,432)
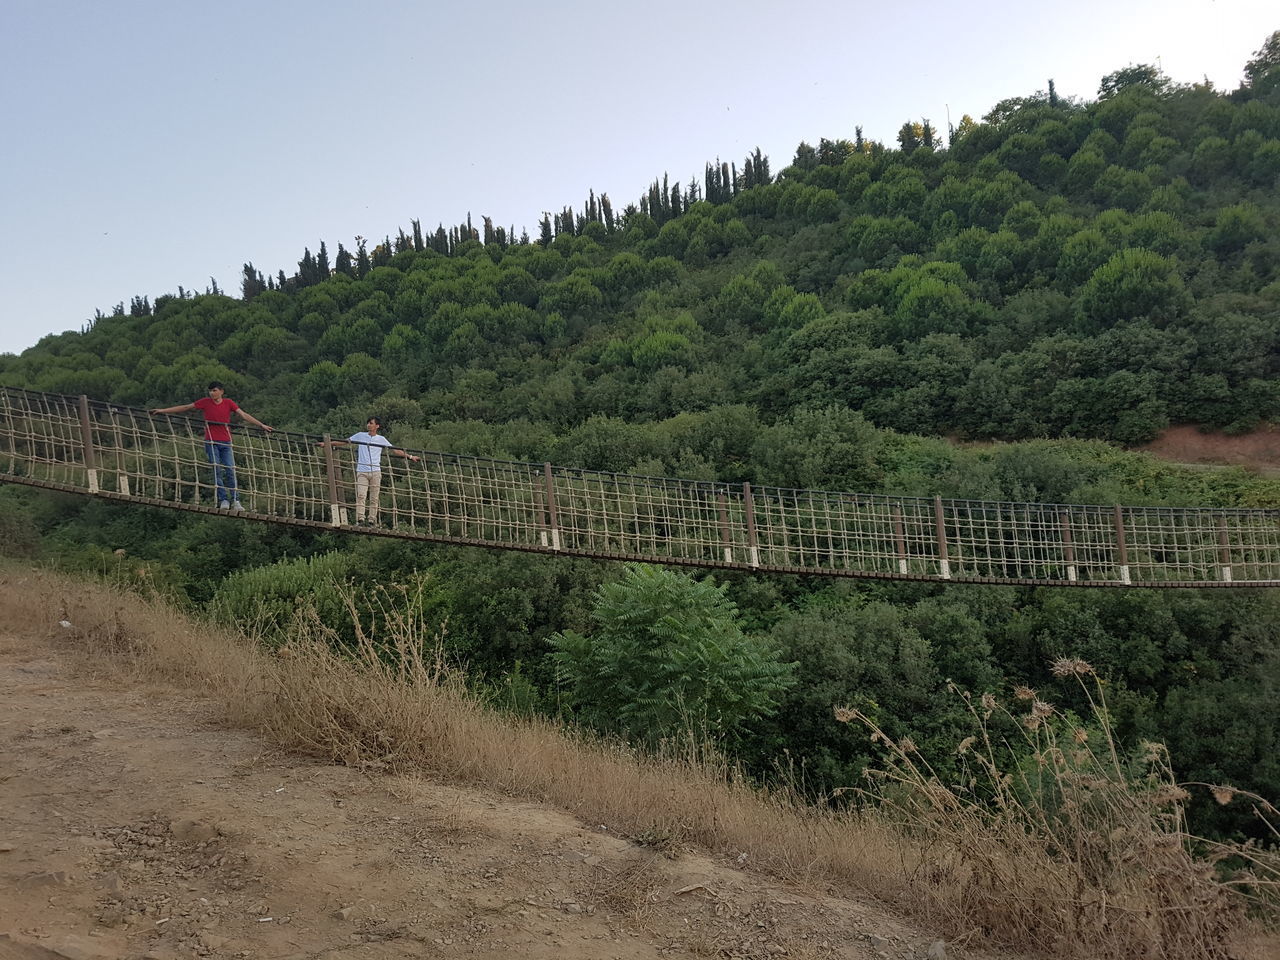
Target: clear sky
(147,144)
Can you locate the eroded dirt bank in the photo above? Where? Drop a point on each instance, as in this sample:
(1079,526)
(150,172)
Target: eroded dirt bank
(137,825)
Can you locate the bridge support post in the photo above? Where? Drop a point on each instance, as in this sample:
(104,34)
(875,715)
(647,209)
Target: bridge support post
(122,475)
(86,433)
(749,506)
(553,521)
(1224,550)
(1122,547)
(336,509)
(540,516)
(939,523)
(726,542)
(1068,548)
(899,539)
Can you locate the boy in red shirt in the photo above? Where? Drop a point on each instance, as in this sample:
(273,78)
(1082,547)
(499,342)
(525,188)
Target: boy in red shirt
(217,410)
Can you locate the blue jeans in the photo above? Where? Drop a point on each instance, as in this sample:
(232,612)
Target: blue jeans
(224,470)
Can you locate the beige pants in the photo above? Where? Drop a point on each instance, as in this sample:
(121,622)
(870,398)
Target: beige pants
(368,485)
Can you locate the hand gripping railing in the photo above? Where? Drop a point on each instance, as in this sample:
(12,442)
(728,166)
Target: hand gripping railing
(107,450)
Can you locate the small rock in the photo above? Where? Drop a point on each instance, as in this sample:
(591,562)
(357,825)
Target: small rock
(937,950)
(774,949)
(193,831)
(73,947)
(6,847)
(33,881)
(343,913)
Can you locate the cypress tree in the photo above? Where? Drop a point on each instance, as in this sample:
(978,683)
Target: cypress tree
(910,137)
(252,283)
(342,262)
(306,268)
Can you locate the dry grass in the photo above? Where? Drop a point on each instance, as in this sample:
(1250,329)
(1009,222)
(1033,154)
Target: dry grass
(1120,882)
(630,889)
(1074,848)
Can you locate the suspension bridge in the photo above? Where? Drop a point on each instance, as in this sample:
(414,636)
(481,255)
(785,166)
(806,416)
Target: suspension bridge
(114,452)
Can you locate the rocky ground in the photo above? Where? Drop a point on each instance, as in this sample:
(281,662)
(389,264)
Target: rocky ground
(135,824)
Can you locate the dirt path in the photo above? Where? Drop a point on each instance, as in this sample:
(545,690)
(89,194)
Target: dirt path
(134,825)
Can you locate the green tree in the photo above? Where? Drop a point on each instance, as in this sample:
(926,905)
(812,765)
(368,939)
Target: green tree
(1234,227)
(1133,283)
(667,655)
(1142,75)
(1262,72)
(831,447)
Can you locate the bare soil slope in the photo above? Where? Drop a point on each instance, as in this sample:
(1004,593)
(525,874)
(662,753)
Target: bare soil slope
(134,824)
(1259,450)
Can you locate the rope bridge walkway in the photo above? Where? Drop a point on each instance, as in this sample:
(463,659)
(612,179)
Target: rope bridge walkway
(120,453)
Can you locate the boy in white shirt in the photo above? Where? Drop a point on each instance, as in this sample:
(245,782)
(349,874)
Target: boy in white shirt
(369,446)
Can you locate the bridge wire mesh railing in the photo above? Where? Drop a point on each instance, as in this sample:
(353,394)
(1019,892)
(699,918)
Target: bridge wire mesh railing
(75,444)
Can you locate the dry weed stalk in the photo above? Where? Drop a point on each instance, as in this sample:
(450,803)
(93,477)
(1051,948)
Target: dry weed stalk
(1072,849)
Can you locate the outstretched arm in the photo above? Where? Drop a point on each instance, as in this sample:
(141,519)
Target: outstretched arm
(180,408)
(254,420)
(408,456)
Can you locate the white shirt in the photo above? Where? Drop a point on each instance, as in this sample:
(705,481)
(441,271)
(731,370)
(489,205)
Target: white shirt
(368,456)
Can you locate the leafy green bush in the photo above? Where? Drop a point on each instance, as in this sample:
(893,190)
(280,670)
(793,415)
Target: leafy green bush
(264,600)
(668,655)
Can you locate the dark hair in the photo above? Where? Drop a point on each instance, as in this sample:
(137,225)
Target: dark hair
(215,385)
(375,420)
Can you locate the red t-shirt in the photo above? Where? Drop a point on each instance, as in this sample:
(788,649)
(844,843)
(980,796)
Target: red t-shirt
(217,416)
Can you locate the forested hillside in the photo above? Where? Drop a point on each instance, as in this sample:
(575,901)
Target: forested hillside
(1061,273)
